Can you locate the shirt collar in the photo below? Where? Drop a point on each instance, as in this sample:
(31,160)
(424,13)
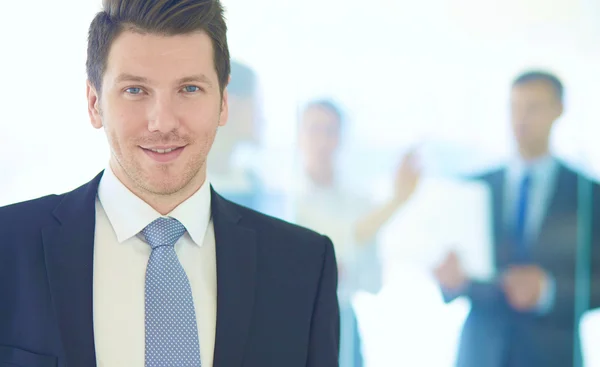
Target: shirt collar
(539,168)
(129,215)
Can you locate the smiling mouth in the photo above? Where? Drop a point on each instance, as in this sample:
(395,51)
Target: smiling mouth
(162,151)
(163,154)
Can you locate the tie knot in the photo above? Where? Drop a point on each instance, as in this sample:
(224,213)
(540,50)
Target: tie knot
(526,179)
(163,232)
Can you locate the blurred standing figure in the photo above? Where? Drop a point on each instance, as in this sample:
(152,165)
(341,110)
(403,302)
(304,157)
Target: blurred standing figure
(322,203)
(526,316)
(232,163)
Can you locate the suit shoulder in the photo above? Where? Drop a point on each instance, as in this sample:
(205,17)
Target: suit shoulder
(487,175)
(280,230)
(277,225)
(28,211)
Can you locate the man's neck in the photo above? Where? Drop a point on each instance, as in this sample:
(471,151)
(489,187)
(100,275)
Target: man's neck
(163,204)
(532,155)
(321,175)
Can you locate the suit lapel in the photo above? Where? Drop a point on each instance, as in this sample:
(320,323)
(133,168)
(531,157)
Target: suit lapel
(69,252)
(69,256)
(236,281)
(496,180)
(563,197)
(560,212)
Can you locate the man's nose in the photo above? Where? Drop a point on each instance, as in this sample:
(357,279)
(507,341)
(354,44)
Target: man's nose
(163,116)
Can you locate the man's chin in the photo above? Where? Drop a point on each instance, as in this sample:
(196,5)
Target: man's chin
(164,188)
(158,184)
(164,181)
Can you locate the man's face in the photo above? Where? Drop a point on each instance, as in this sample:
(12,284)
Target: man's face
(534,108)
(319,134)
(160,106)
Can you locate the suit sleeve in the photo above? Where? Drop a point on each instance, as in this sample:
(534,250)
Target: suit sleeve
(563,307)
(481,294)
(325,325)
(594,254)
(566,283)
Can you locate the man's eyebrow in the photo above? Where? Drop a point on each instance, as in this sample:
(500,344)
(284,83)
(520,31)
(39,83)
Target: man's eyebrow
(125,77)
(198,78)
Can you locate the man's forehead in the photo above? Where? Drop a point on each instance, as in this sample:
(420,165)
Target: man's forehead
(177,56)
(320,114)
(541,86)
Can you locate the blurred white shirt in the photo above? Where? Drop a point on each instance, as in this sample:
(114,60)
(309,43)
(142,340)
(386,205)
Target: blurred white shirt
(334,211)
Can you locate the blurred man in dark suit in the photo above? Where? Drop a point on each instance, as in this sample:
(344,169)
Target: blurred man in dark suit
(526,316)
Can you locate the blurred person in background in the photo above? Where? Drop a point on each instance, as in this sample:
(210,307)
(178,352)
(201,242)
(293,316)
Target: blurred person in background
(323,203)
(233,163)
(525,317)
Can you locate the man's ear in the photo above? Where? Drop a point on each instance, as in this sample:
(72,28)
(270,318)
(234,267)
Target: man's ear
(93,99)
(560,110)
(224,106)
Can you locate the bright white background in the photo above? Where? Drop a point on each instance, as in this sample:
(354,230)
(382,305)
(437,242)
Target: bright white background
(405,71)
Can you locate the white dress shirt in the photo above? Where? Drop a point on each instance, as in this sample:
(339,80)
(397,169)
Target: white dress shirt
(120,259)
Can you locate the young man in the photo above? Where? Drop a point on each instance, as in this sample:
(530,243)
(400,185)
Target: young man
(527,316)
(146,265)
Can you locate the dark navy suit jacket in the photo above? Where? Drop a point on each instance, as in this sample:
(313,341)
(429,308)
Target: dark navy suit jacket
(496,336)
(276,286)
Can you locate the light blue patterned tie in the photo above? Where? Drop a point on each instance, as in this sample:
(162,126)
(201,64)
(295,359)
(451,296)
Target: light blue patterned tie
(171,330)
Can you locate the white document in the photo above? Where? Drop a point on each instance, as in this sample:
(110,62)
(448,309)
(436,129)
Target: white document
(443,216)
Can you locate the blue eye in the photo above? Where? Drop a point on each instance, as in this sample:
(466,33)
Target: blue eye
(134,90)
(191,89)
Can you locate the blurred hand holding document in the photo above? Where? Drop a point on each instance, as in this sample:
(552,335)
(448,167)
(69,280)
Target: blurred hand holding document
(444,215)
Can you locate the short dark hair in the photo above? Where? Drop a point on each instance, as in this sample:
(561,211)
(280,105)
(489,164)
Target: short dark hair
(244,82)
(329,105)
(163,17)
(540,75)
